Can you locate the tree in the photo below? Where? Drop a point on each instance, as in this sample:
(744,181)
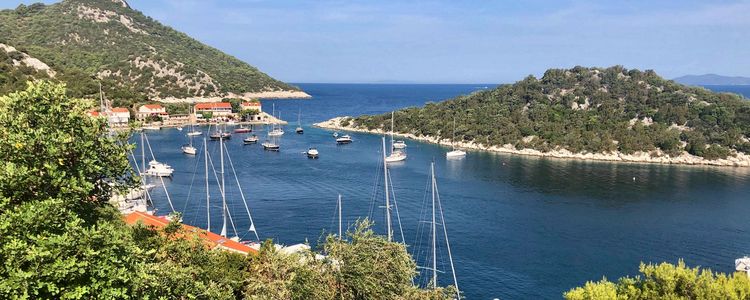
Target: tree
(667,281)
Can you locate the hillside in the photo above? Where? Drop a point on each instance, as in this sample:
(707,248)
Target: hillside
(712,79)
(135,55)
(584,112)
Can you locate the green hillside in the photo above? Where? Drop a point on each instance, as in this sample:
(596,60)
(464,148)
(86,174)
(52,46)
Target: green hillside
(135,55)
(588,110)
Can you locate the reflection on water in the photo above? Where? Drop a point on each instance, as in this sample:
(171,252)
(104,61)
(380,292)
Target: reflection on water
(520,227)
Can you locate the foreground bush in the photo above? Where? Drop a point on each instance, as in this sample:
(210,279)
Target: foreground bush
(667,281)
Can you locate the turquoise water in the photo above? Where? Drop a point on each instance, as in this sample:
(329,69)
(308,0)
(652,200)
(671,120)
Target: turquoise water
(520,227)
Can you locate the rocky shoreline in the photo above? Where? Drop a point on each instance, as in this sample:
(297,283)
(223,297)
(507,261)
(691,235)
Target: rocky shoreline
(740,160)
(256,95)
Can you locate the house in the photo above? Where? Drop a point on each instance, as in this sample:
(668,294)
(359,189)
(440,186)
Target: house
(219,109)
(119,116)
(150,110)
(210,239)
(251,106)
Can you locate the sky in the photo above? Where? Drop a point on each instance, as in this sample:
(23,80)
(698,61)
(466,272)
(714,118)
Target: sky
(459,41)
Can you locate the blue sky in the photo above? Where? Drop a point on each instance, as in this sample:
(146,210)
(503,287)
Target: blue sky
(462,41)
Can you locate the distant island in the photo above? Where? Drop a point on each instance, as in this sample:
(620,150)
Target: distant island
(135,57)
(712,79)
(611,114)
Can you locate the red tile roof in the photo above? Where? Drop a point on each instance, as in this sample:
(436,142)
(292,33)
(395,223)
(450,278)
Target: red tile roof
(211,239)
(120,109)
(250,103)
(93,113)
(211,105)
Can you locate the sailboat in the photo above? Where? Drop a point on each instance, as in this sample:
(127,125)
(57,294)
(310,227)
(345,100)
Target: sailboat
(396,154)
(188,148)
(192,131)
(388,189)
(437,208)
(155,168)
(271,143)
(455,153)
(276,131)
(299,129)
(218,134)
(225,213)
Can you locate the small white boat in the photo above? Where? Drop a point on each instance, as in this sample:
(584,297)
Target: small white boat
(156,168)
(270,146)
(231,122)
(455,153)
(312,153)
(396,156)
(344,139)
(742,265)
(276,132)
(250,139)
(152,127)
(188,149)
(335,134)
(194,133)
(179,128)
(399,145)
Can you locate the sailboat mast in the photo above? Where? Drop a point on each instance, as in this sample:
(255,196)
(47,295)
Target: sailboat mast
(387,195)
(453,140)
(339,204)
(143,152)
(434,232)
(223,192)
(208,194)
(392,129)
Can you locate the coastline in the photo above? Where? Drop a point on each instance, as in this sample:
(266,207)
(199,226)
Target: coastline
(741,160)
(251,95)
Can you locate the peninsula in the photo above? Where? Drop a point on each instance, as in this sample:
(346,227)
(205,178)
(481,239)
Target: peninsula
(610,114)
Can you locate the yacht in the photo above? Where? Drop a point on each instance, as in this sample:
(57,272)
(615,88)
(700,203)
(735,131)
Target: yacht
(344,139)
(299,129)
(270,146)
(455,153)
(312,153)
(276,132)
(242,129)
(250,139)
(399,145)
(189,149)
(396,156)
(156,168)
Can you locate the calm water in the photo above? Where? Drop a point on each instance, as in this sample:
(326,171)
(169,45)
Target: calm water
(520,227)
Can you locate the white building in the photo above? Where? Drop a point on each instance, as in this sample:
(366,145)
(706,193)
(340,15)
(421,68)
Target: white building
(152,109)
(251,106)
(218,109)
(119,116)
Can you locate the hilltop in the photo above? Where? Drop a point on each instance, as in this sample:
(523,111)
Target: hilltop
(712,79)
(589,113)
(135,56)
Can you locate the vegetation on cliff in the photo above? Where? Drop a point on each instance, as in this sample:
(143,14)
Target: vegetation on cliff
(136,56)
(60,239)
(587,110)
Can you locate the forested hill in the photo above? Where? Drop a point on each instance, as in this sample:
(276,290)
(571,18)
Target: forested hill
(587,110)
(135,55)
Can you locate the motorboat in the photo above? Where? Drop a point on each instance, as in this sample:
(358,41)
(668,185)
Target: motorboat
(242,130)
(152,127)
(399,145)
(179,128)
(299,130)
(458,153)
(189,149)
(276,132)
(344,139)
(270,146)
(156,168)
(250,139)
(194,133)
(312,153)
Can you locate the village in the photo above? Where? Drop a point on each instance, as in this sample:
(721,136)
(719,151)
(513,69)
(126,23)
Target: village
(156,115)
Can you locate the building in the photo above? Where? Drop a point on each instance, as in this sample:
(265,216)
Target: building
(251,106)
(218,109)
(210,239)
(152,110)
(119,116)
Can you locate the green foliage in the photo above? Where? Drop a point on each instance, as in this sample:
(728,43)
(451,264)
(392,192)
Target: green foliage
(79,49)
(587,110)
(667,281)
(60,240)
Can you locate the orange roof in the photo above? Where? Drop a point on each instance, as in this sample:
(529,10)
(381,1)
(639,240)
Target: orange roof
(120,109)
(211,239)
(153,106)
(211,105)
(250,103)
(93,113)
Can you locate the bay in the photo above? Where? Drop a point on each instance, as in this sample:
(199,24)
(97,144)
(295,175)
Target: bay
(520,227)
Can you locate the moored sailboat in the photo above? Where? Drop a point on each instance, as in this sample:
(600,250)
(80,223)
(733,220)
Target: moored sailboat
(455,153)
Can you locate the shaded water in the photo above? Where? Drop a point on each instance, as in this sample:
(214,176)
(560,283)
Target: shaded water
(520,227)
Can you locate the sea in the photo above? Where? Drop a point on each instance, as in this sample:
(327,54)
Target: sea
(519,227)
